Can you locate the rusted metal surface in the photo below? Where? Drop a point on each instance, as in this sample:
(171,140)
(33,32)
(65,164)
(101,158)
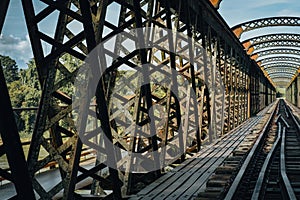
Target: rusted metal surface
(12,147)
(261,46)
(247,90)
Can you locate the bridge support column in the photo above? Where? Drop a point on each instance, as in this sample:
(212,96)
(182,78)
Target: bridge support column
(12,146)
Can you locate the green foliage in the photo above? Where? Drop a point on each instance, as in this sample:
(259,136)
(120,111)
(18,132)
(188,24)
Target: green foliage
(24,91)
(10,68)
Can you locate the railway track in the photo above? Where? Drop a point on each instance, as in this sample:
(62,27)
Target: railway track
(274,169)
(270,169)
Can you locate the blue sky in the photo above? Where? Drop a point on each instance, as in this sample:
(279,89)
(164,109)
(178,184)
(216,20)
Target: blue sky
(238,11)
(14,40)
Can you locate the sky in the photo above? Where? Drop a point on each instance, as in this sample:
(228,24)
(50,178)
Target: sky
(238,11)
(14,40)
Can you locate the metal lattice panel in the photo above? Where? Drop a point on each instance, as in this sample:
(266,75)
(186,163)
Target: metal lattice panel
(266,22)
(272,37)
(290,65)
(277,51)
(281,70)
(279,59)
(212,60)
(278,43)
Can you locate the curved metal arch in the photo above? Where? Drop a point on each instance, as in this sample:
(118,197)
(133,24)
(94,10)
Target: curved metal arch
(271,44)
(279,59)
(281,79)
(288,71)
(278,72)
(272,37)
(239,29)
(274,77)
(271,75)
(277,51)
(269,38)
(282,65)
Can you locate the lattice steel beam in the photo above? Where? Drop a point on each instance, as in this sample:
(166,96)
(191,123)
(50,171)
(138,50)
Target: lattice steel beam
(276,51)
(214,49)
(264,61)
(281,65)
(277,43)
(289,71)
(265,22)
(12,147)
(265,41)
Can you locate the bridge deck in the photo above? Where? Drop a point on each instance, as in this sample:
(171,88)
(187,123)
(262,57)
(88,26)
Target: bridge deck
(188,179)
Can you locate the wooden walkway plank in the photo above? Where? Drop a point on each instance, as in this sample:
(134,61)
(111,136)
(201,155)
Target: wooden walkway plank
(178,177)
(190,162)
(186,191)
(186,180)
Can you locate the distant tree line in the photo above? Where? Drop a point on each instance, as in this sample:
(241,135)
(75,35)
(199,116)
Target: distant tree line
(24,89)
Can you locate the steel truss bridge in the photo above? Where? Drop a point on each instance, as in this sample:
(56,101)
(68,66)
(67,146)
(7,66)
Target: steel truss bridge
(228,81)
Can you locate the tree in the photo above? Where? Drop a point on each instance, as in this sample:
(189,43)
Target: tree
(10,68)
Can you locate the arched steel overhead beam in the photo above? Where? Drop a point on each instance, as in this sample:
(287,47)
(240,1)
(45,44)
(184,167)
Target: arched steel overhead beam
(288,71)
(264,22)
(278,59)
(215,3)
(281,76)
(276,51)
(271,75)
(271,44)
(251,42)
(270,37)
(280,79)
(281,65)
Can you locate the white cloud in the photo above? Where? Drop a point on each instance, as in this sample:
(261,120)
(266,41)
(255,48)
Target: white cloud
(17,48)
(257,4)
(288,12)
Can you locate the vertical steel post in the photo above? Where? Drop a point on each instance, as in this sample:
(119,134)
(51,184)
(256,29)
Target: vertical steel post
(12,145)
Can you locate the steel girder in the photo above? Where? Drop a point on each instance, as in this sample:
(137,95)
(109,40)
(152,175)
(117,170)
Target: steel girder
(54,129)
(130,15)
(265,22)
(291,59)
(292,90)
(281,65)
(271,44)
(11,147)
(265,41)
(270,37)
(281,51)
(274,71)
(62,143)
(268,41)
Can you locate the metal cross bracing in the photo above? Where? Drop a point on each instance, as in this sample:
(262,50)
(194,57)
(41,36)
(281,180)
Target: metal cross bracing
(265,22)
(247,90)
(270,40)
(266,45)
(286,51)
(292,91)
(275,44)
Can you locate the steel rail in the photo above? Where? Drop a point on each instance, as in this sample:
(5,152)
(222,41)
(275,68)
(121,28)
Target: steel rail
(284,177)
(262,173)
(244,167)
